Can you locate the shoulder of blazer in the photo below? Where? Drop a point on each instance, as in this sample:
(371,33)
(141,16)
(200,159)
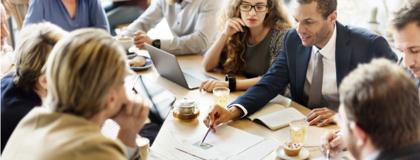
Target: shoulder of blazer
(348,34)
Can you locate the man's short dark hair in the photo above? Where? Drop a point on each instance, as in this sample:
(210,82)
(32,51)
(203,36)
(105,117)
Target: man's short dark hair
(383,100)
(325,7)
(409,12)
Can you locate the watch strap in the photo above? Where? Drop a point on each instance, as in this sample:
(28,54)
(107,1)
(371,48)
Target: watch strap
(232,81)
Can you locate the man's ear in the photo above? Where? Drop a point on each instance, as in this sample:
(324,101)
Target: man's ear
(332,18)
(361,136)
(42,80)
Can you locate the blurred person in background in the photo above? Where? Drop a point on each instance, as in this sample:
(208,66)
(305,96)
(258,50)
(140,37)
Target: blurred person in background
(192,23)
(7,55)
(24,89)
(67,14)
(124,12)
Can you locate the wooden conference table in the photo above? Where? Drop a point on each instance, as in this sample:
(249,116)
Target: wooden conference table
(175,132)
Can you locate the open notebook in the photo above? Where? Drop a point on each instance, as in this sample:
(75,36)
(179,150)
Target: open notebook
(276,116)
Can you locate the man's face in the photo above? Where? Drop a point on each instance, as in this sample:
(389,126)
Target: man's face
(4,33)
(407,40)
(348,136)
(312,28)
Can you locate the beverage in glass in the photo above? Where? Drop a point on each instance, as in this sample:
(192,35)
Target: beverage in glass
(298,131)
(221,95)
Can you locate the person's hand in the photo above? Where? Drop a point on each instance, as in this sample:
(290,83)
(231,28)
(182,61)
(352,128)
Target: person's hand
(6,48)
(320,114)
(133,113)
(208,85)
(140,38)
(233,26)
(333,142)
(217,115)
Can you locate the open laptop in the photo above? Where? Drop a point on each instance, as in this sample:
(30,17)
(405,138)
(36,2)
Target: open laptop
(168,67)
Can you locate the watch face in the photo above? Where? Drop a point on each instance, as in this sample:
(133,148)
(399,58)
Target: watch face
(156,43)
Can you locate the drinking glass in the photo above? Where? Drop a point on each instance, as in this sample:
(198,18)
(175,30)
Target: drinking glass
(298,131)
(221,95)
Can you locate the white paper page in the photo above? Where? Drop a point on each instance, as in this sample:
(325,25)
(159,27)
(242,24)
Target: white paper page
(258,151)
(340,156)
(281,100)
(268,108)
(281,118)
(226,142)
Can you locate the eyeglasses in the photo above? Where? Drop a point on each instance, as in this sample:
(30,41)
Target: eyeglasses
(257,8)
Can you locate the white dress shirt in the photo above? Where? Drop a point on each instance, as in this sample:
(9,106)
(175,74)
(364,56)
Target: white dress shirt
(329,80)
(192,23)
(372,156)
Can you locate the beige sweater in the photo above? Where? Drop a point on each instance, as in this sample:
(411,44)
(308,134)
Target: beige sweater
(47,135)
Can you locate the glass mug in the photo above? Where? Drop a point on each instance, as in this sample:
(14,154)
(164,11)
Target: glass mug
(298,131)
(221,95)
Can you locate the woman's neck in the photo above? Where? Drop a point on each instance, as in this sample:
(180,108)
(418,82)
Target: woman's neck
(257,34)
(71,6)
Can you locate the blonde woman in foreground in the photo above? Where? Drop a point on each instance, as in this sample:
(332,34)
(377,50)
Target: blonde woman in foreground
(85,74)
(250,39)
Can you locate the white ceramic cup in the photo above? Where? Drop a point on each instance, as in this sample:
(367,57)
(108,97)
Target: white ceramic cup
(143,144)
(126,42)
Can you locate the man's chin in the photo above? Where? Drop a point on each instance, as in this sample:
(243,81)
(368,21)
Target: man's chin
(307,44)
(417,76)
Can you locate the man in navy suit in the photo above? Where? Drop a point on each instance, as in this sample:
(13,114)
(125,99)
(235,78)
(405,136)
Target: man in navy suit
(315,58)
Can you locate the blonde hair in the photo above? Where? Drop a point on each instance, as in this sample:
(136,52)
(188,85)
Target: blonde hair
(82,70)
(276,18)
(35,44)
(7,7)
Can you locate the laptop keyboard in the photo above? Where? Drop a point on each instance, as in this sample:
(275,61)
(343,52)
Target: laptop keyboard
(192,81)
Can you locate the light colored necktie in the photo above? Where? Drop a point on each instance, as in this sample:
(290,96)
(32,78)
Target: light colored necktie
(315,92)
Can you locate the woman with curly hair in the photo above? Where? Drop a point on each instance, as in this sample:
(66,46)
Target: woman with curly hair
(250,39)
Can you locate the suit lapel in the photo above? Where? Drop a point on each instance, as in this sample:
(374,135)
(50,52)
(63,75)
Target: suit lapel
(342,53)
(302,59)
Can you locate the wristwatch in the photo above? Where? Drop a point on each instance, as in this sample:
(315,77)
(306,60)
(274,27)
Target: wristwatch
(156,43)
(232,81)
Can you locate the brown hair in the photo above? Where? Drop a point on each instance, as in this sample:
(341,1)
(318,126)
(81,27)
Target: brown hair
(277,18)
(408,12)
(35,44)
(325,7)
(7,7)
(384,101)
(82,70)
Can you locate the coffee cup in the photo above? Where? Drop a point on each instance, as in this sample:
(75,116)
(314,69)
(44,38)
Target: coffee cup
(143,144)
(125,42)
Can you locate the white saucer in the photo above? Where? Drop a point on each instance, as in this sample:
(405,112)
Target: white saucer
(303,154)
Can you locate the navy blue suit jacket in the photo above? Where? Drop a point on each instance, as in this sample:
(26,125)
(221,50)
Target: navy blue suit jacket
(353,46)
(15,104)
